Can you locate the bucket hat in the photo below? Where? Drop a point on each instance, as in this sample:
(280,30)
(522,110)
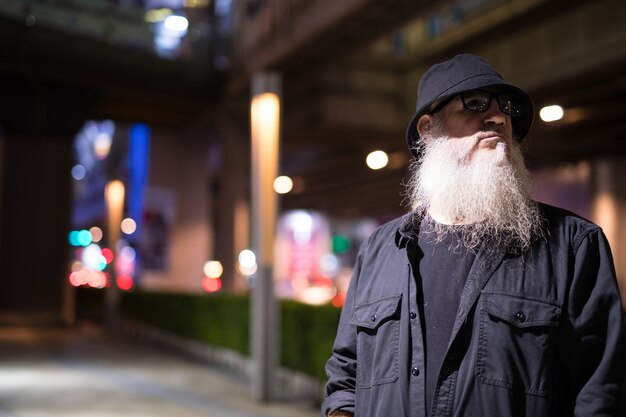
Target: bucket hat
(464,72)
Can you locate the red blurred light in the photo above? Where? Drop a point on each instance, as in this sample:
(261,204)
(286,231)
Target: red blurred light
(108,255)
(211,284)
(125,282)
(107,280)
(338,300)
(74,279)
(322,281)
(96,279)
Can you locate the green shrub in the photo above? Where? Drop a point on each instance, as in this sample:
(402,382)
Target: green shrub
(217,320)
(307,332)
(307,335)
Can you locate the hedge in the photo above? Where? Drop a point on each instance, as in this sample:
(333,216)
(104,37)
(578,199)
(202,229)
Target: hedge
(220,321)
(307,332)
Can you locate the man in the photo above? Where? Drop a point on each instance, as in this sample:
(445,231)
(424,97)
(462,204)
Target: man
(480,301)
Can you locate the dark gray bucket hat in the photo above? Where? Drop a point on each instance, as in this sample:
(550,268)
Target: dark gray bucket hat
(464,72)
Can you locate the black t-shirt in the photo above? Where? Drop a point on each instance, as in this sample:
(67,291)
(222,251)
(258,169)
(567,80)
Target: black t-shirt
(441,269)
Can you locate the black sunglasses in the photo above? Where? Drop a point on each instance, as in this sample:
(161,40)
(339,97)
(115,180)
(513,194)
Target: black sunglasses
(479,101)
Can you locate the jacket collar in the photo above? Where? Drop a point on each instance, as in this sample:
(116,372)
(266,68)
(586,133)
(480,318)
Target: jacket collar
(408,229)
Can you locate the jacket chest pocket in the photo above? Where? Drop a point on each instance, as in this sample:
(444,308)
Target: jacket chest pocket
(517,343)
(378,333)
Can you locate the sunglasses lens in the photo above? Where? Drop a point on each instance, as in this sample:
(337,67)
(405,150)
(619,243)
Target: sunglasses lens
(477,101)
(510,104)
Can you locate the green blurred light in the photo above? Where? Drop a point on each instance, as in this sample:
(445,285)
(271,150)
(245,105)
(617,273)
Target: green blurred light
(100,264)
(73,238)
(84,238)
(341,244)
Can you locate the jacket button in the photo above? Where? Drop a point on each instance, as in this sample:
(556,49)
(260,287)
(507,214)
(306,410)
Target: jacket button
(415,371)
(373,317)
(413,315)
(521,317)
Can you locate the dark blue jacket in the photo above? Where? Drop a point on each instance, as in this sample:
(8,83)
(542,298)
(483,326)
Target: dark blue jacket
(536,334)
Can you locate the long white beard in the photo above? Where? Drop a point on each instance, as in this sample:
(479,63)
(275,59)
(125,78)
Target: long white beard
(487,196)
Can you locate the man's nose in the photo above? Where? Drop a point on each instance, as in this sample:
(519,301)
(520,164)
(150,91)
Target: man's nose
(493,115)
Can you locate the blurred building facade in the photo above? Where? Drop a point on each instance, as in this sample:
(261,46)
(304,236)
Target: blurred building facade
(349,72)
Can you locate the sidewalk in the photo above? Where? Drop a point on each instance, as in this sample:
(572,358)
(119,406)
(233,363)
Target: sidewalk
(61,372)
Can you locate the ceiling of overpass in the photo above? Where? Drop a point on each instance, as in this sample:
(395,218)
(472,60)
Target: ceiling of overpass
(594,96)
(325,149)
(103,55)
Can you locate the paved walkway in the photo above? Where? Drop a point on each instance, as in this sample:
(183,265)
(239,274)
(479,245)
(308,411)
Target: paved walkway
(60,372)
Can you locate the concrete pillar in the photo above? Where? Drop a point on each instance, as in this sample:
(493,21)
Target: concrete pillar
(609,210)
(265,141)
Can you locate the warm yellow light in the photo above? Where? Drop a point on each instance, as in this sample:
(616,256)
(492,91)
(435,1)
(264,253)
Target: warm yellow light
(213,269)
(377,160)
(264,113)
(551,113)
(157,15)
(114,197)
(196,3)
(317,295)
(96,234)
(265,123)
(114,193)
(283,184)
(102,145)
(128,226)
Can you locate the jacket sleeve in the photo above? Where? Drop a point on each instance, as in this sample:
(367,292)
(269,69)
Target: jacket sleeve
(341,367)
(594,350)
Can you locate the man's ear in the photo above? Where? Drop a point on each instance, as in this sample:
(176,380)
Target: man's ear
(424,124)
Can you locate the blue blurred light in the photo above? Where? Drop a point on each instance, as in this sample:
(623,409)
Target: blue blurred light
(78,172)
(139,157)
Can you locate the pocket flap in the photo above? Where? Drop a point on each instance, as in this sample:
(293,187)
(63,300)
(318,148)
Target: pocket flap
(372,314)
(521,312)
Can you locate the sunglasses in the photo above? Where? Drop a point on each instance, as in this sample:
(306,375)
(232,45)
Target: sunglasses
(479,101)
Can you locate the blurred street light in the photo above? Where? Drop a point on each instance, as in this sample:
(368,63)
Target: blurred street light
(377,160)
(283,184)
(551,113)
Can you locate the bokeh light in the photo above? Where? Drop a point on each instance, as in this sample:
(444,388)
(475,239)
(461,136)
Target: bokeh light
(102,145)
(283,184)
(83,238)
(128,253)
(176,23)
(211,284)
(73,238)
(551,113)
(377,160)
(246,258)
(78,172)
(96,234)
(329,264)
(246,264)
(213,269)
(157,15)
(124,282)
(92,257)
(88,277)
(129,226)
(108,255)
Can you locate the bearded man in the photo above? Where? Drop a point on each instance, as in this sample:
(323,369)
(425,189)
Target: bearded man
(480,301)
